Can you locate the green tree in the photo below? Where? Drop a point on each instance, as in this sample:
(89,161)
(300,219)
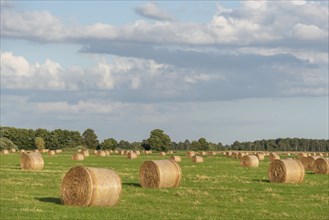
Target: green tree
(6,144)
(109,143)
(204,145)
(90,138)
(39,143)
(158,140)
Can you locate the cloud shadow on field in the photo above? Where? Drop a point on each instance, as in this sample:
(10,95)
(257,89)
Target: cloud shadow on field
(49,200)
(132,184)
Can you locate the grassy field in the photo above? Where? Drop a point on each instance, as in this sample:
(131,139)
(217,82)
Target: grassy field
(219,188)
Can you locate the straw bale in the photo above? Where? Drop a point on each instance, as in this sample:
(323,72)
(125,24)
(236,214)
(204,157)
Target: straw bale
(31,161)
(132,155)
(190,153)
(273,156)
(321,166)
(160,174)
(101,153)
(5,152)
(162,153)
(87,186)
(260,156)
(308,162)
(286,171)
(249,161)
(176,158)
(78,156)
(85,153)
(51,153)
(197,159)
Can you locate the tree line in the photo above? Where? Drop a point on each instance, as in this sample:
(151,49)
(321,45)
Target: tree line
(158,140)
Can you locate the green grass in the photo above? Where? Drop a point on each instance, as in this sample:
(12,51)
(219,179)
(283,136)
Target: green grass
(219,188)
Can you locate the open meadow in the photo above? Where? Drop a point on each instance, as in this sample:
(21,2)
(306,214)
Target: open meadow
(218,188)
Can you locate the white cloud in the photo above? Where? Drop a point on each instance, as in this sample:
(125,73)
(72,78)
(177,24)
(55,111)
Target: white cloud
(151,10)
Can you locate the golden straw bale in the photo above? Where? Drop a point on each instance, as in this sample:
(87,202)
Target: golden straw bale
(162,153)
(228,154)
(249,161)
(31,161)
(58,151)
(260,156)
(170,152)
(308,162)
(36,150)
(176,158)
(273,156)
(160,174)
(302,154)
(13,150)
(212,153)
(101,153)
(51,153)
(241,154)
(5,152)
(107,153)
(203,153)
(321,166)
(78,156)
(319,154)
(137,152)
(190,153)
(96,152)
(132,155)
(85,153)
(197,159)
(80,150)
(286,171)
(87,186)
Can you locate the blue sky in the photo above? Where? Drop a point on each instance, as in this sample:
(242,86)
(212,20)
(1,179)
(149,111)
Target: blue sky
(223,70)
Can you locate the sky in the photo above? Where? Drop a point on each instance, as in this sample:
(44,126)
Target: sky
(222,70)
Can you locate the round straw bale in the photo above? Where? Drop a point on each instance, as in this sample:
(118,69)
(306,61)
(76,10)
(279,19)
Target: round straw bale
(308,162)
(203,153)
(78,156)
(107,153)
(132,155)
(197,159)
(51,153)
(162,153)
(249,161)
(57,151)
(319,154)
(96,152)
(321,166)
(36,150)
(228,154)
(80,150)
(31,161)
(170,152)
(160,174)
(87,186)
(260,156)
(13,150)
(212,153)
(5,152)
(301,154)
(101,153)
(85,153)
(273,156)
(286,171)
(137,152)
(241,154)
(44,150)
(190,153)
(176,158)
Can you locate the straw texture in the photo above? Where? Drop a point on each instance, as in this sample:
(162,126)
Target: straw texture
(197,159)
(321,166)
(176,158)
(160,174)
(249,161)
(31,161)
(286,171)
(87,186)
(78,156)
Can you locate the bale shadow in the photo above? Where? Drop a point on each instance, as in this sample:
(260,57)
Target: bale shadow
(49,200)
(263,181)
(132,184)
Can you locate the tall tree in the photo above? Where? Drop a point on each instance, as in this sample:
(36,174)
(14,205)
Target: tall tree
(39,143)
(109,143)
(90,138)
(158,140)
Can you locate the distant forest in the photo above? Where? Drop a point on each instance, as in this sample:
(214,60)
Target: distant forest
(22,138)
